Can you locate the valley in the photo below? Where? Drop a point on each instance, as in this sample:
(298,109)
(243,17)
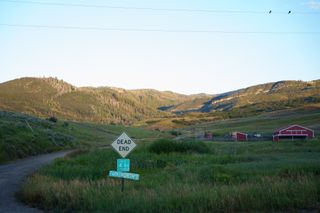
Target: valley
(180,169)
(46,97)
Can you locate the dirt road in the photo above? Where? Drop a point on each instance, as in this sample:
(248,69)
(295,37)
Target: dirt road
(12,176)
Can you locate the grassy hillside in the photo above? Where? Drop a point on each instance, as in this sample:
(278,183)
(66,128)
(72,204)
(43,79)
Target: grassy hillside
(49,96)
(267,97)
(256,99)
(195,103)
(22,135)
(52,97)
(228,177)
(221,123)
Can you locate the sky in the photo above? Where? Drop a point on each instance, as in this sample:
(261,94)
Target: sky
(203,46)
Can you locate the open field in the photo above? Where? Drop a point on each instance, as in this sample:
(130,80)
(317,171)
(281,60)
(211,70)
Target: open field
(223,122)
(22,135)
(264,124)
(227,177)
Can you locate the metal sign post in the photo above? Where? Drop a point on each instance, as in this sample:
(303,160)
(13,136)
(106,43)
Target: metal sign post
(122,184)
(123,145)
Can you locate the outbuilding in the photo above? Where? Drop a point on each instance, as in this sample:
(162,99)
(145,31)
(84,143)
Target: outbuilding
(293,132)
(208,135)
(239,136)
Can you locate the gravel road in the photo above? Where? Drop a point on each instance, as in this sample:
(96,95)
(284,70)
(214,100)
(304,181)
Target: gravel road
(12,176)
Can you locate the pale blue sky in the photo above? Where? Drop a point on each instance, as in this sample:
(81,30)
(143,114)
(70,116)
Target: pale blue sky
(183,62)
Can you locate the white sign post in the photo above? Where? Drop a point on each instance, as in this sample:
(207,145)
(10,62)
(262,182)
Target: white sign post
(123,145)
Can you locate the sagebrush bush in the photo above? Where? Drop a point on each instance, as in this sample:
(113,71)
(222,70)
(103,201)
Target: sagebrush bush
(175,133)
(167,146)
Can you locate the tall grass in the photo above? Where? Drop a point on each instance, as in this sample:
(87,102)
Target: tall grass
(270,193)
(232,177)
(167,146)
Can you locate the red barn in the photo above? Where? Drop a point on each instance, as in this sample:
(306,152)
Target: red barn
(239,136)
(293,132)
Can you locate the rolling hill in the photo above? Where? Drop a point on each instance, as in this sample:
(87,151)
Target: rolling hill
(46,97)
(52,97)
(264,97)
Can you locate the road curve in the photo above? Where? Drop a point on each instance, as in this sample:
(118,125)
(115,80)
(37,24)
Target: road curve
(12,176)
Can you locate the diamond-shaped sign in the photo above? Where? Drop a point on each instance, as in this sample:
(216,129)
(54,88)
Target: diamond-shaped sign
(123,145)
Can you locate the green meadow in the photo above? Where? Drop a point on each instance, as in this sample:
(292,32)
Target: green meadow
(264,123)
(184,176)
(23,135)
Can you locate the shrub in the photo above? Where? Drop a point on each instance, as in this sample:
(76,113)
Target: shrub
(167,146)
(53,119)
(175,133)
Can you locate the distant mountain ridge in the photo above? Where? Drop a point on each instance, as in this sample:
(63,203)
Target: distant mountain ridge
(52,97)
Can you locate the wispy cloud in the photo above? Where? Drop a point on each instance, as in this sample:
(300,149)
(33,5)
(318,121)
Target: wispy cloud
(313,4)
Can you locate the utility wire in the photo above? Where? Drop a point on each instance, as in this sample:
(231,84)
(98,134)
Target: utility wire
(156,9)
(59,27)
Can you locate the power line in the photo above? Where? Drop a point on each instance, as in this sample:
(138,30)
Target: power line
(59,27)
(156,9)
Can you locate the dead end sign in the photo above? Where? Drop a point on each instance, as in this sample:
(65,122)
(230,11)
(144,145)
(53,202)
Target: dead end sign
(123,145)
